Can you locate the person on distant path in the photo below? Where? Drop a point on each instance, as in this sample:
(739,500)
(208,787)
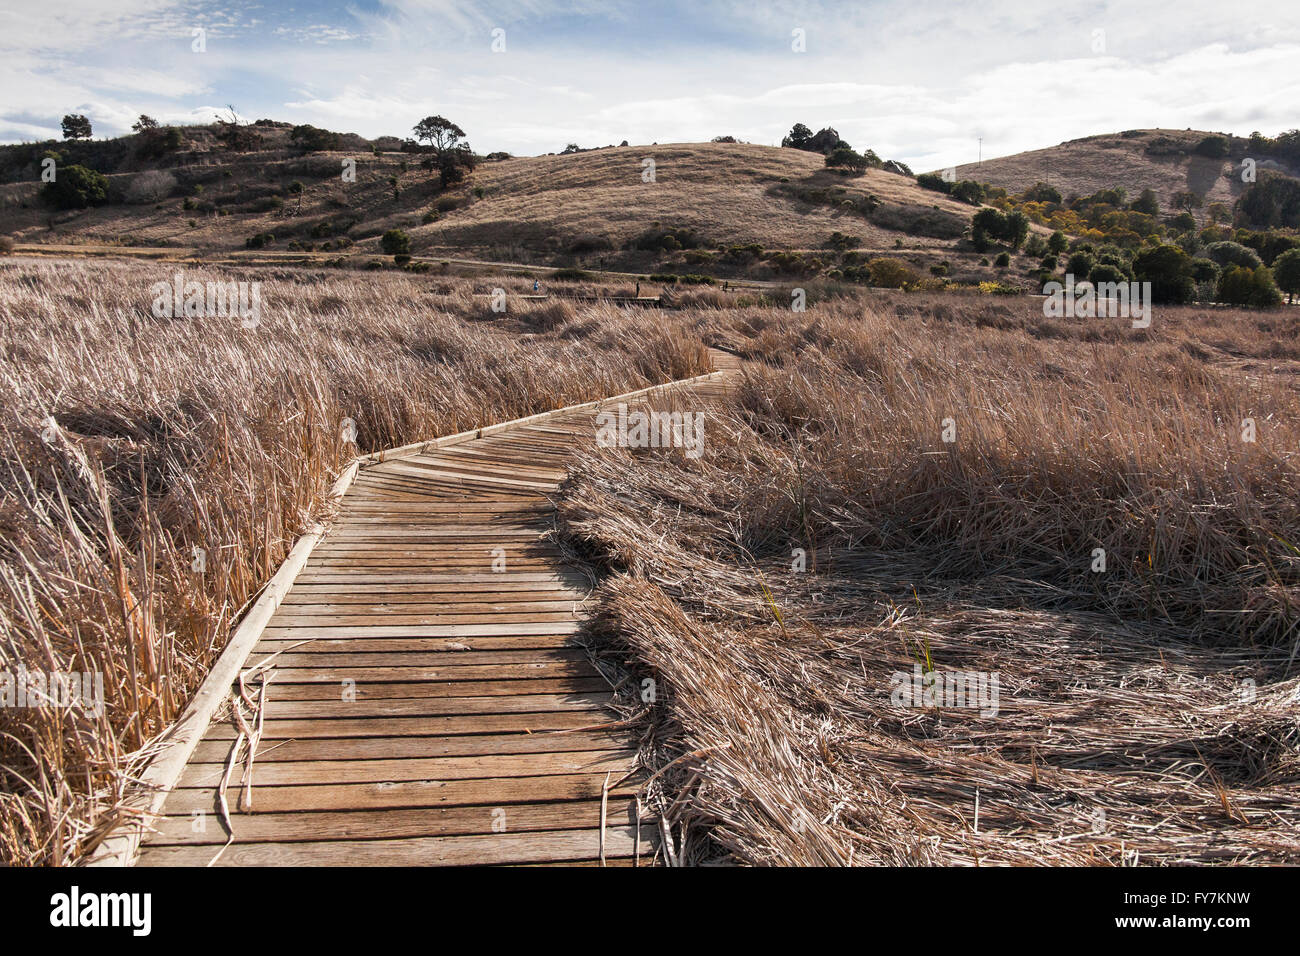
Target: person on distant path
(537,286)
(638,290)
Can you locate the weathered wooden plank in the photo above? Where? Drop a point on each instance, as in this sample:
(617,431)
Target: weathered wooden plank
(493,848)
(433,619)
(517,603)
(323,710)
(285,628)
(350,675)
(380,824)
(452,594)
(453,688)
(299,658)
(374,748)
(494,766)
(326,645)
(493,792)
(400,580)
(495,723)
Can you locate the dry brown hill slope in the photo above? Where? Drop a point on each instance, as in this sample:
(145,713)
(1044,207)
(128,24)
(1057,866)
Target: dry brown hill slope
(1163,160)
(728,194)
(578,209)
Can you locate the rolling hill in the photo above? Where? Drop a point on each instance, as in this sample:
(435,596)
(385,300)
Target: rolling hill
(1163,160)
(726,209)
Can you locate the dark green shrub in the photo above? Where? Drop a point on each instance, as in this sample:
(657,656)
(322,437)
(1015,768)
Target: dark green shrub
(590,243)
(968,191)
(1146,203)
(395,242)
(1042,192)
(1216,147)
(891,273)
(1286,271)
(1080,265)
(1250,287)
(1273,200)
(934,182)
(1204,271)
(845,158)
(1105,272)
(76,187)
(1036,247)
(1233,254)
(311,139)
(1168,269)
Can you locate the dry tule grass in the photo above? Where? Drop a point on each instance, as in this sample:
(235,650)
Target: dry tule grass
(1147,713)
(196,433)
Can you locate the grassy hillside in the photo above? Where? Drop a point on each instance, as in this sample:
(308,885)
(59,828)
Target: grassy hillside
(590,209)
(723,210)
(730,194)
(1163,160)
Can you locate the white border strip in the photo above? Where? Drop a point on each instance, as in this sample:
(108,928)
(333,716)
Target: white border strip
(150,792)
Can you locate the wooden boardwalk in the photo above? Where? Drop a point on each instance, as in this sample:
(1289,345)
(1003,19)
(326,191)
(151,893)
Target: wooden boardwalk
(428,705)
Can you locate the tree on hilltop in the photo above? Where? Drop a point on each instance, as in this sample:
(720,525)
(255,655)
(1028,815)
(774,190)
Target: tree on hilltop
(76,126)
(451,154)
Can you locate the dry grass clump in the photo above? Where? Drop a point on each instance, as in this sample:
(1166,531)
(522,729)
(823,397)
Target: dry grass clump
(1146,713)
(128,441)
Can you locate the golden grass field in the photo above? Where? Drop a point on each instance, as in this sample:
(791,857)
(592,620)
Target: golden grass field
(174,434)
(1147,712)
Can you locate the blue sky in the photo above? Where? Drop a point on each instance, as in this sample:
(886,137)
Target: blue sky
(913,80)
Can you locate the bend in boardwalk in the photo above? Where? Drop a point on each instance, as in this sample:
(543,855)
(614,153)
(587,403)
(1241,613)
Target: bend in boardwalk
(424,708)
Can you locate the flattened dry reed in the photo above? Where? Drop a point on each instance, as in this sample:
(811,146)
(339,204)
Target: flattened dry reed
(1147,713)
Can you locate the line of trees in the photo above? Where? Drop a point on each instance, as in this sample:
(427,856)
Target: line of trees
(839,154)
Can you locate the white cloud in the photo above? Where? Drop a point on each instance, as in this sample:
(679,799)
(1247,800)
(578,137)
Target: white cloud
(909,80)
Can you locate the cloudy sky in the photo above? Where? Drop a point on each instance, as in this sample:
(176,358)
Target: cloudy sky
(914,80)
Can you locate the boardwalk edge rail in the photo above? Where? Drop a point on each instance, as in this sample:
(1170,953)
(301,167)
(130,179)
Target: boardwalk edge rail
(144,804)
